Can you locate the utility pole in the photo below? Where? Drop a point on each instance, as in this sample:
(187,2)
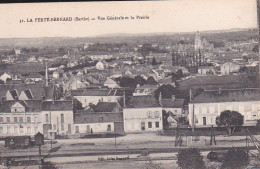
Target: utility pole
(115,138)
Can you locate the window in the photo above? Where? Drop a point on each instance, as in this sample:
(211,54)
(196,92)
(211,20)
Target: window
(8,129)
(77,129)
(54,127)
(157,124)
(21,119)
(15,119)
(1,129)
(100,119)
(8,119)
(149,124)
(157,115)
(62,126)
(15,130)
(204,110)
(35,119)
(62,118)
(142,125)
(46,118)
(196,120)
(109,127)
(28,129)
(1,119)
(21,129)
(149,114)
(35,129)
(212,109)
(29,119)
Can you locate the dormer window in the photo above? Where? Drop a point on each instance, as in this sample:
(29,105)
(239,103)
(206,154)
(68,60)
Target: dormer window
(18,107)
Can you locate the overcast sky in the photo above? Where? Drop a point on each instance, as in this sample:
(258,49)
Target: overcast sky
(165,16)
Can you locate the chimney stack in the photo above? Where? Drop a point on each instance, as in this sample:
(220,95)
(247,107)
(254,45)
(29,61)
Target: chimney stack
(219,91)
(173,97)
(124,99)
(46,73)
(160,98)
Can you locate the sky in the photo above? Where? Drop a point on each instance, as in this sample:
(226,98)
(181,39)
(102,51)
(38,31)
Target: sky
(164,17)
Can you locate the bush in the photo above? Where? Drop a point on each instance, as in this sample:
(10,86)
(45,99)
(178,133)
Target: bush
(190,158)
(235,158)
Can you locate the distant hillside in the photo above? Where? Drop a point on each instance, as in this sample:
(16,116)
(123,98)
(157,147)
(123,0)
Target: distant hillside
(160,38)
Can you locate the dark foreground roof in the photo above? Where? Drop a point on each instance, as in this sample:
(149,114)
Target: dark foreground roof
(176,103)
(57,106)
(232,95)
(38,90)
(142,102)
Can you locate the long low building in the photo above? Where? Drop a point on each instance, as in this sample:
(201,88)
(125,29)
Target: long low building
(205,107)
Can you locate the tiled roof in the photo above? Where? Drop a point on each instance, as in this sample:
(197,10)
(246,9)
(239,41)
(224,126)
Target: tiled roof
(176,103)
(98,92)
(13,93)
(143,102)
(105,106)
(212,82)
(57,106)
(234,95)
(28,94)
(38,90)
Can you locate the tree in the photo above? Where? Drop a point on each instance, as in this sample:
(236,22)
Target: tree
(179,74)
(150,80)
(154,61)
(258,125)
(140,80)
(230,120)
(255,49)
(166,90)
(190,158)
(235,158)
(127,82)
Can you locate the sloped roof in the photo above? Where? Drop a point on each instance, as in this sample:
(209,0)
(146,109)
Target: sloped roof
(38,90)
(233,95)
(30,105)
(212,82)
(105,106)
(57,106)
(142,102)
(13,93)
(176,103)
(28,94)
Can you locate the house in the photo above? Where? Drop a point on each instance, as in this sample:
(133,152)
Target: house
(57,117)
(173,105)
(33,77)
(74,83)
(19,117)
(56,74)
(204,70)
(110,83)
(205,107)
(228,68)
(93,96)
(5,76)
(145,90)
(101,65)
(106,117)
(142,113)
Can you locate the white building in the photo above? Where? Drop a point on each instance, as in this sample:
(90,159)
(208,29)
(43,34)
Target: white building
(143,113)
(6,76)
(57,117)
(204,70)
(228,68)
(101,65)
(93,96)
(205,107)
(110,83)
(20,117)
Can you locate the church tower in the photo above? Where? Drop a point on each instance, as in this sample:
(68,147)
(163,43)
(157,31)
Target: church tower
(198,42)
